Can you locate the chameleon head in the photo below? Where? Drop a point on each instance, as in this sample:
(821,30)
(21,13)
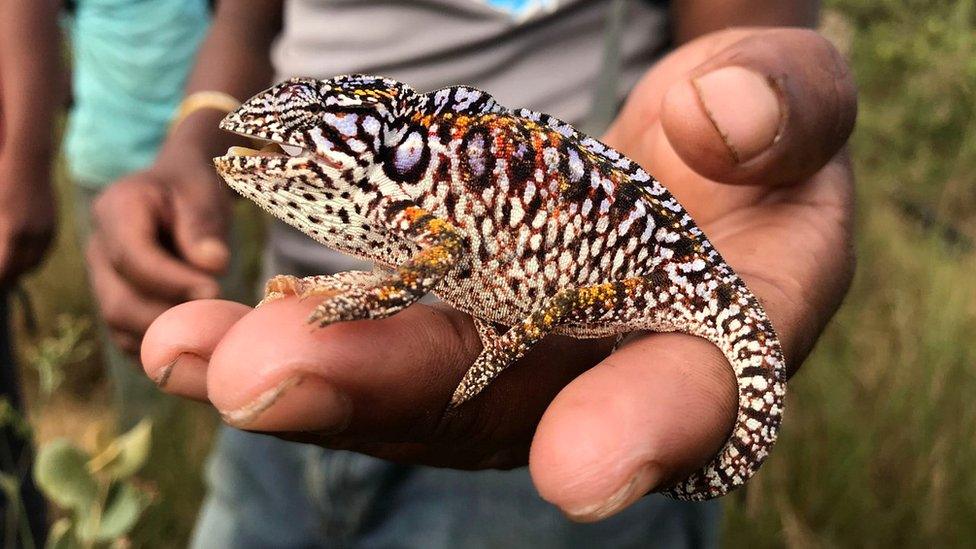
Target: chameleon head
(313,132)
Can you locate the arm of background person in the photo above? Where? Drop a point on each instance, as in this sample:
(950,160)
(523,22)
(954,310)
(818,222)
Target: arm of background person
(179,199)
(234,59)
(31,94)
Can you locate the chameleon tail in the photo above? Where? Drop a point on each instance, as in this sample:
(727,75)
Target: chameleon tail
(738,325)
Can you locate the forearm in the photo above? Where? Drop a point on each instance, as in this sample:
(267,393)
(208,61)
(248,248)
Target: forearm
(233,59)
(694,18)
(31,83)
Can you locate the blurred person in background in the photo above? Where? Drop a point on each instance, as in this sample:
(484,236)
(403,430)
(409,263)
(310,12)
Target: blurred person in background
(129,65)
(743,125)
(31,89)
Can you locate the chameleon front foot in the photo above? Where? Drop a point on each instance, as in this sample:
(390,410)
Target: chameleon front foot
(441,245)
(350,295)
(341,308)
(279,287)
(282,286)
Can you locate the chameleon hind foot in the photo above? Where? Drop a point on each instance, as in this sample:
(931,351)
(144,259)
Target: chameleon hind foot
(569,304)
(492,361)
(487,332)
(500,351)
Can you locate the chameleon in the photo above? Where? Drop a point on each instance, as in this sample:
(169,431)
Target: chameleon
(509,215)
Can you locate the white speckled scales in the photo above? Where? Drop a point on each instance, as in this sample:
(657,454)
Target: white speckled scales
(511,216)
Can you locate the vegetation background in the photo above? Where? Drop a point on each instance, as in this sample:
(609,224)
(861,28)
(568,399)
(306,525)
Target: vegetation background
(879,448)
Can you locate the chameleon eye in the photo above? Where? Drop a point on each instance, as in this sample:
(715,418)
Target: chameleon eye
(409,158)
(409,152)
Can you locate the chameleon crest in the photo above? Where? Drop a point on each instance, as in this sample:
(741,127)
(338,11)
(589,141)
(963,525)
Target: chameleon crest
(509,215)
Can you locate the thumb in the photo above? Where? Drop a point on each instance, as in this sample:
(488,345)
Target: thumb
(770,109)
(201,211)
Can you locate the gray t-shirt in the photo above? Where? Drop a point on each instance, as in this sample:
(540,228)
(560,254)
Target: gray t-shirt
(546,55)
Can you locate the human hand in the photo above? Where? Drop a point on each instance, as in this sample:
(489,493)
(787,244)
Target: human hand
(158,239)
(612,427)
(28,213)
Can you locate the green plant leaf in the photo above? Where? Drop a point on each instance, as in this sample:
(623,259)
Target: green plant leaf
(124,507)
(86,527)
(125,455)
(52,356)
(61,536)
(62,474)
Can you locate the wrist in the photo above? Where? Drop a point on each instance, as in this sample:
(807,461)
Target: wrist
(198,118)
(204,100)
(197,138)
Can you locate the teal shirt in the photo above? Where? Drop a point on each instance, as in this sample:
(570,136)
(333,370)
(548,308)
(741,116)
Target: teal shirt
(130,59)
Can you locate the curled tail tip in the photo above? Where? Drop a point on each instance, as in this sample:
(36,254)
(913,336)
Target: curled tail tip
(752,348)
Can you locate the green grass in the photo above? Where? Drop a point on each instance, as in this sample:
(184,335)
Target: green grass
(878,446)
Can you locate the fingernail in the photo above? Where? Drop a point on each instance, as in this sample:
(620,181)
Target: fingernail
(213,251)
(165,373)
(646,479)
(312,404)
(186,375)
(744,108)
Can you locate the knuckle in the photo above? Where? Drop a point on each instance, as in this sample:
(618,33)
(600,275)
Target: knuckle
(100,205)
(112,311)
(207,213)
(132,190)
(116,256)
(125,342)
(100,255)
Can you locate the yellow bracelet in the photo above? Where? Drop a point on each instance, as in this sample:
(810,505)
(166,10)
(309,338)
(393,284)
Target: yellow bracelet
(208,99)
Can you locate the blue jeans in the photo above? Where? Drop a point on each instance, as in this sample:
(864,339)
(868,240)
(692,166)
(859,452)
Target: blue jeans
(265,492)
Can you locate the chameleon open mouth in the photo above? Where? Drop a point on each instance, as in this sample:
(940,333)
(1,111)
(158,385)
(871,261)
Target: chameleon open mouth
(268,148)
(275,149)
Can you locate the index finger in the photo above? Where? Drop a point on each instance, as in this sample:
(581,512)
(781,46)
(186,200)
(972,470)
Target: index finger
(397,373)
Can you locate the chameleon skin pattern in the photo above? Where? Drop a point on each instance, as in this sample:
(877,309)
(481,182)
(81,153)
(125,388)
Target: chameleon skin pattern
(509,215)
